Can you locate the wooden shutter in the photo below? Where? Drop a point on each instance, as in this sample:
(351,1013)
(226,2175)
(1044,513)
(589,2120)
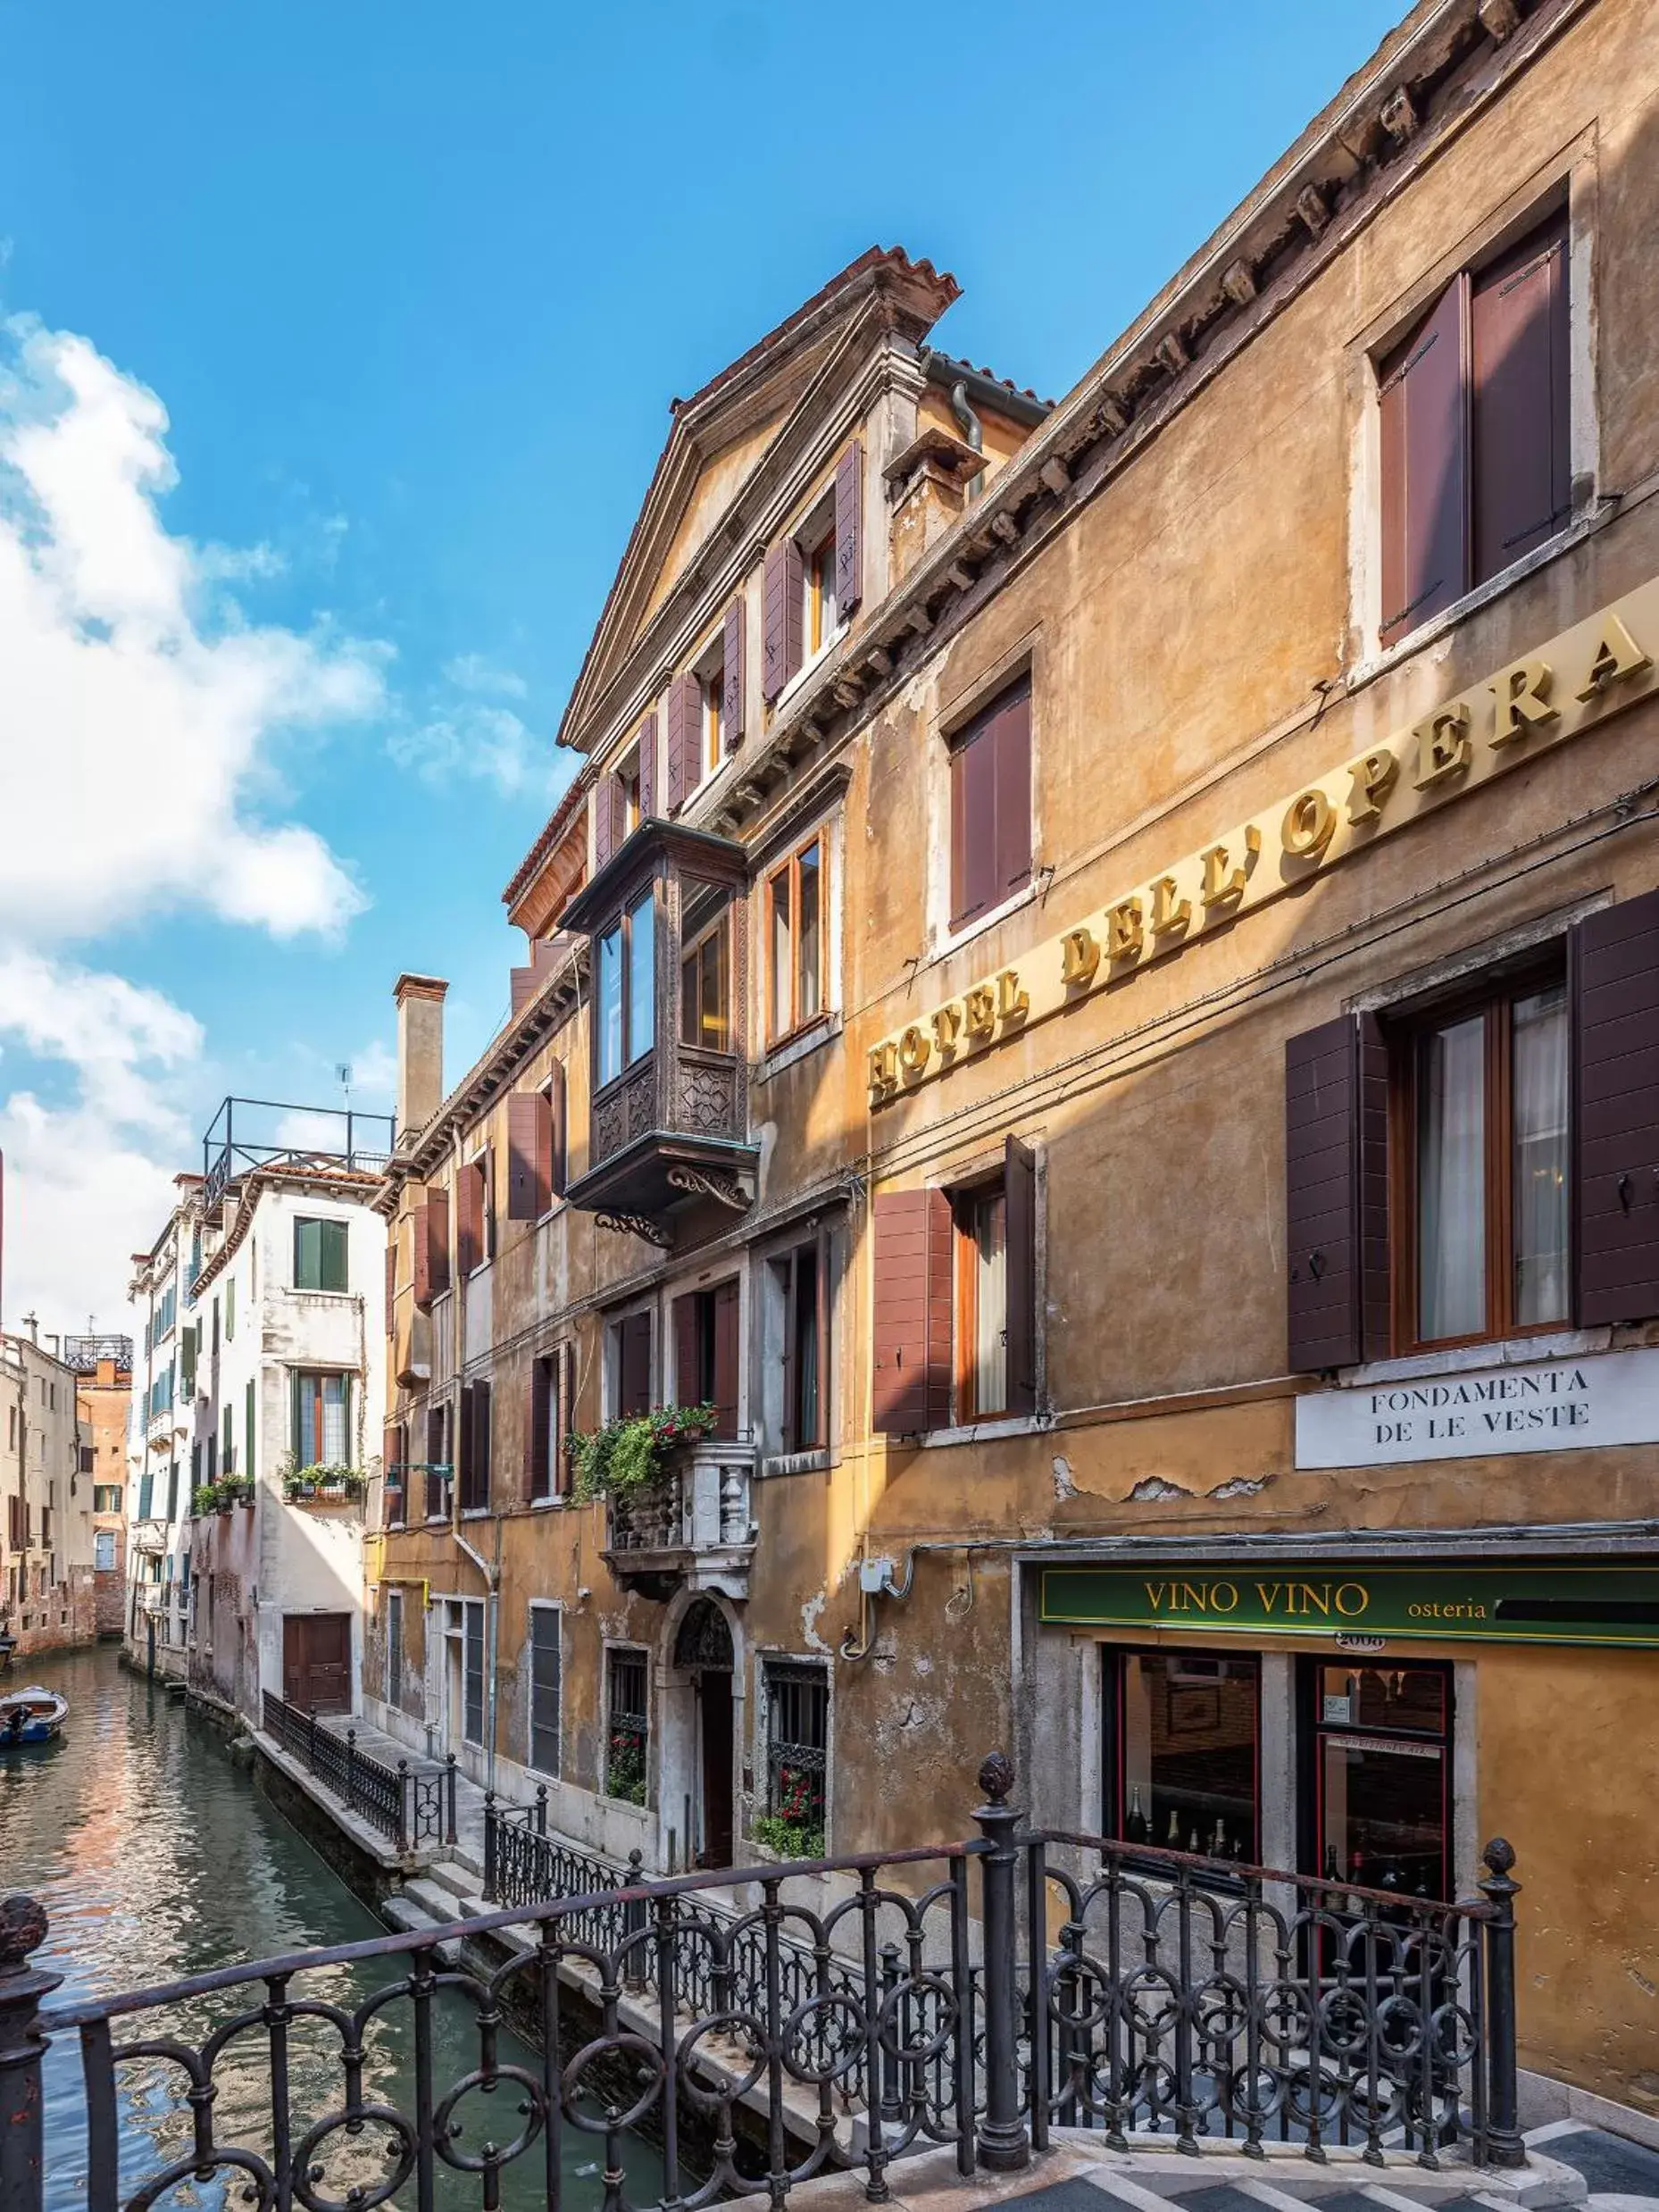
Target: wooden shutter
(781,583)
(683,1317)
(431,1224)
(1011,731)
(480,1444)
(1321,1196)
(912,1349)
(634,1365)
(469,1219)
(849,530)
(647,766)
(1616,1195)
(537,1460)
(1019,1204)
(391,1277)
(1371,1135)
(392,1456)
(1423,395)
(565,1383)
(529,1156)
(682,741)
(522,984)
(556,1162)
(604,823)
(1518,426)
(731,676)
(973,826)
(726,1359)
(462,1447)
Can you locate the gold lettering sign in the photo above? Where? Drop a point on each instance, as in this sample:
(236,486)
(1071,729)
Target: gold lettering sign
(1571,684)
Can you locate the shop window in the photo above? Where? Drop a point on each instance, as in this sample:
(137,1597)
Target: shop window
(796,1363)
(1475,429)
(319,1265)
(797,1745)
(627,1726)
(1183,1766)
(546,1689)
(990,806)
(1381,1778)
(797,941)
(705,969)
(1481,1114)
(706,1353)
(625,995)
(321,1427)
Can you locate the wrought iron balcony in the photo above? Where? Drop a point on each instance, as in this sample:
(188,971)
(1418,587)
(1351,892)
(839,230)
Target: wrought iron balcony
(246,1133)
(692,1527)
(668,1124)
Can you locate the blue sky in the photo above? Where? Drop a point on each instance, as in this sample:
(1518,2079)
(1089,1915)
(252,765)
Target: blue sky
(413,285)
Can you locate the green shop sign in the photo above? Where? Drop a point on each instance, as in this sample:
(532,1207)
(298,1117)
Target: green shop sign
(1575,1605)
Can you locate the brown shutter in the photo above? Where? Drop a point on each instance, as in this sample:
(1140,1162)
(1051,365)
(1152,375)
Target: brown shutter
(437,1243)
(1013,729)
(683,1316)
(726,1362)
(1321,1196)
(781,616)
(565,1384)
(682,739)
(731,676)
(1518,435)
(647,766)
(420,1220)
(463,1449)
(1019,1204)
(973,826)
(1376,1277)
(391,1276)
(618,797)
(469,1220)
(480,1444)
(912,1311)
(1423,395)
(849,530)
(521,983)
(530,1144)
(604,823)
(536,1460)
(1615,1196)
(555,1132)
(634,1378)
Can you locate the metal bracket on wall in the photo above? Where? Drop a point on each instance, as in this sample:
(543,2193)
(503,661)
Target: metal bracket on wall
(712,1183)
(638,1225)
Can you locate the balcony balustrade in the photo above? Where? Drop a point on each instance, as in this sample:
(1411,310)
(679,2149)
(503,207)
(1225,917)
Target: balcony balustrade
(692,1527)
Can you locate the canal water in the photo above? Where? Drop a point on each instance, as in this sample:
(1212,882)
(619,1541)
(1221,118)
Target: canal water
(156,1857)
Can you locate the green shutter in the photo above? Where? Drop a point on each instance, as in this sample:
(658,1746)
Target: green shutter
(230,1309)
(308,1255)
(333,1255)
(247,1466)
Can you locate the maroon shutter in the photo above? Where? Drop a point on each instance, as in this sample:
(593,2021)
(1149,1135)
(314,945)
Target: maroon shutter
(469,1220)
(537,1460)
(555,1132)
(1376,1278)
(912,1311)
(1615,1196)
(480,1444)
(1013,729)
(726,1360)
(522,984)
(420,1220)
(618,799)
(682,741)
(1321,1196)
(530,1143)
(603,824)
(1425,499)
(973,826)
(634,1366)
(647,766)
(849,530)
(1518,432)
(684,1317)
(437,1242)
(731,707)
(1019,1219)
(464,1447)
(564,1383)
(774,623)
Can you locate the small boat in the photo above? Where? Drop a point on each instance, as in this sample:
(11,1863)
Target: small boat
(31,1716)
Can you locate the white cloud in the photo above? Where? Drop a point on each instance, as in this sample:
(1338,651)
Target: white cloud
(473,742)
(470,672)
(141,709)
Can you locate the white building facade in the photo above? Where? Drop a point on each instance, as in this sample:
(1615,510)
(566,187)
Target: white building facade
(47,1599)
(158,1442)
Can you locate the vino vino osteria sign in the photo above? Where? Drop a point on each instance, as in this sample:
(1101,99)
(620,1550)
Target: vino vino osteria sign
(1571,684)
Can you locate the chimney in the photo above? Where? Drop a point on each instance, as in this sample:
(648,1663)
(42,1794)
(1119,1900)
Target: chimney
(420,1000)
(32,1322)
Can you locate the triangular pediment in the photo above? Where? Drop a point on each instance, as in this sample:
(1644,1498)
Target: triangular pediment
(721,439)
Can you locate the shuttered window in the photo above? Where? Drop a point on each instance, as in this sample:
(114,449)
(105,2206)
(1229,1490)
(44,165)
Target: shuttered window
(472,1440)
(473,1662)
(781,611)
(431,1224)
(991,780)
(1474,412)
(475,1226)
(320,1264)
(1615,969)
(631,1355)
(706,1353)
(529,1156)
(548,1418)
(545,1688)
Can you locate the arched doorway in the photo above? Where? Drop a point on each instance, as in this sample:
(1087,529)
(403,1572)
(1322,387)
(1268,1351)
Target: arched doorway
(703,1655)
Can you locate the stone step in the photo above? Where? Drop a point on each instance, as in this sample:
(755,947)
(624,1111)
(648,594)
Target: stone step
(440,1905)
(449,1873)
(410,1917)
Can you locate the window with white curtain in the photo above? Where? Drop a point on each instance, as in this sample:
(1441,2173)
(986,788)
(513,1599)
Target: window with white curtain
(321,1433)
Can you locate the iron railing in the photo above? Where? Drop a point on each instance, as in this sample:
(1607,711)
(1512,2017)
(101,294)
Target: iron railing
(246,1133)
(411,1805)
(864,2005)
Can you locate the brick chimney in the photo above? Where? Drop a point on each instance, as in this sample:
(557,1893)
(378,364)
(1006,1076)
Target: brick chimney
(420,1000)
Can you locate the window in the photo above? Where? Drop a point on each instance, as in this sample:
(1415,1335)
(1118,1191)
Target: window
(393,1474)
(322,1430)
(438,1467)
(231,1303)
(394,1647)
(1474,430)
(1182,1770)
(103,1550)
(472,1671)
(319,1262)
(106,1498)
(172,1488)
(797,1346)
(549,1422)
(227,1454)
(626,993)
(818,612)
(544,1688)
(473,1438)
(249,1469)
(796,916)
(475,1214)
(706,1353)
(990,806)
(982,1302)
(147,1495)
(627,1728)
(711,709)
(1482,1108)
(797,1745)
(630,1340)
(1381,1738)
(705,970)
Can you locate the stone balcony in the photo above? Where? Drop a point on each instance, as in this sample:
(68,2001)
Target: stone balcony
(692,1528)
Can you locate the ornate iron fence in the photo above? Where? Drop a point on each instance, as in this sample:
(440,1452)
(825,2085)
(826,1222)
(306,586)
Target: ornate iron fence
(410,1804)
(836,2023)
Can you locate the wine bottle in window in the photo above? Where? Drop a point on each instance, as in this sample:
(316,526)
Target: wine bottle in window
(1135,1828)
(1195,1841)
(1173,1840)
(1333,1872)
(1218,1841)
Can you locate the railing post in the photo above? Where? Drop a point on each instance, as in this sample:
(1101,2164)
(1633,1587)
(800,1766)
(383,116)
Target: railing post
(489,1847)
(634,1922)
(449,1796)
(351,1769)
(403,1823)
(541,1808)
(22,2171)
(1505,2146)
(1002,2144)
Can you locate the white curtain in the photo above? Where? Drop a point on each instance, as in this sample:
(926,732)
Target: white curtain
(1451,1181)
(1539,1085)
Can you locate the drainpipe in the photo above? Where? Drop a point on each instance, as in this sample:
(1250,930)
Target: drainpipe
(972,428)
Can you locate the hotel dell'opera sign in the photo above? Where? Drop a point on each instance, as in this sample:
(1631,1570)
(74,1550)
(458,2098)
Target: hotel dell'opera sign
(1571,684)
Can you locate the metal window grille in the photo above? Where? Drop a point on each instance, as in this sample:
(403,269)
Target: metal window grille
(797,1741)
(473,1719)
(628,1730)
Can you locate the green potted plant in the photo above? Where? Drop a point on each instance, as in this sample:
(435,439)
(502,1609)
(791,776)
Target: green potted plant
(625,1457)
(204,1498)
(796,1829)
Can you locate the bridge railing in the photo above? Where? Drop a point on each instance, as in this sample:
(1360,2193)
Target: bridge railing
(407,1804)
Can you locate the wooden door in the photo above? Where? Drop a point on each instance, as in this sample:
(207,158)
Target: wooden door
(714,1711)
(317,1661)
